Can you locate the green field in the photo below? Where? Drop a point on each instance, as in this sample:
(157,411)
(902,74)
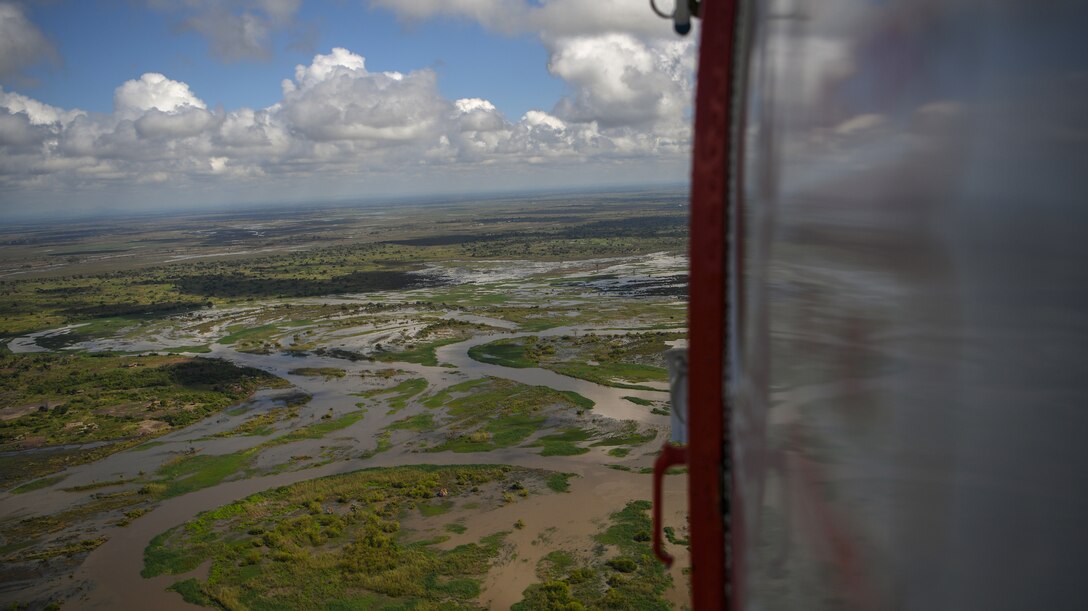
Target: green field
(325,297)
(618,361)
(64,399)
(337,542)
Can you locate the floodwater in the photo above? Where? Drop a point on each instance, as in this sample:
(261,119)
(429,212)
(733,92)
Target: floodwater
(111,574)
(109,578)
(609,401)
(114,568)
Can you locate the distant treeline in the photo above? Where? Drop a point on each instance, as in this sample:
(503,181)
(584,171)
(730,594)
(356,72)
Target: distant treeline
(240,285)
(643,226)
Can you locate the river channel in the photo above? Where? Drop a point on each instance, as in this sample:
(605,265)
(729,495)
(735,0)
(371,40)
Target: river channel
(111,574)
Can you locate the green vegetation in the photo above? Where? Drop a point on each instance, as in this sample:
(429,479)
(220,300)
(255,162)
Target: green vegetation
(504,352)
(399,394)
(132,515)
(38,484)
(334,542)
(577,399)
(261,424)
(638,401)
(186,474)
(555,564)
(63,399)
(318,429)
(383,445)
(423,354)
(559,482)
(670,534)
(191,593)
(434,509)
(633,579)
(419,422)
(245,335)
(629,435)
(21,534)
(85,546)
(443,396)
(243,302)
(497,413)
(190,472)
(611,360)
(349,255)
(563,443)
(98,485)
(319,372)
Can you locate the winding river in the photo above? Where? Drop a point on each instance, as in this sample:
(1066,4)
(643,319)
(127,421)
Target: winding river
(111,573)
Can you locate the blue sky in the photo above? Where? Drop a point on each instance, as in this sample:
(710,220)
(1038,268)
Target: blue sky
(97,42)
(198,103)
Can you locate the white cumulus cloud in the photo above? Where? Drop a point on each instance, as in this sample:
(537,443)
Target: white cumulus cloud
(339,122)
(153,90)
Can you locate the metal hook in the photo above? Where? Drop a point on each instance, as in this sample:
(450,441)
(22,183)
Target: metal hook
(681,15)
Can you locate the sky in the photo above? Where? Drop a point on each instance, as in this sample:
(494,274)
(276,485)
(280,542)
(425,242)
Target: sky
(150,105)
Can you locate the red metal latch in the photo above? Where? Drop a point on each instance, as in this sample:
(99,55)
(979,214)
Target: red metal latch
(670,456)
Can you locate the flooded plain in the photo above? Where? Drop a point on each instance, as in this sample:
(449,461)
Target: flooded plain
(378,343)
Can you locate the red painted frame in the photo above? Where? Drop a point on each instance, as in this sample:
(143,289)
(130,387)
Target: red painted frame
(708,417)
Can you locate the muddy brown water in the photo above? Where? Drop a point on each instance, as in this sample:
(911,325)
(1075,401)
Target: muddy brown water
(114,568)
(112,572)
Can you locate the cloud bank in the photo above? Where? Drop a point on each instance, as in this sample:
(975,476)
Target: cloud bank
(340,125)
(236,30)
(22,44)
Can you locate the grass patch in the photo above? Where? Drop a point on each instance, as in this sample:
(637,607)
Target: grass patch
(148,445)
(261,424)
(85,546)
(443,396)
(191,593)
(632,579)
(501,432)
(503,352)
(318,429)
(319,372)
(611,374)
(334,543)
(619,452)
(617,361)
(455,528)
(639,401)
(74,399)
(240,333)
(399,395)
(187,474)
(383,445)
(429,510)
(559,482)
(670,534)
(25,532)
(629,436)
(38,484)
(577,399)
(423,354)
(420,422)
(563,443)
(97,485)
(497,413)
